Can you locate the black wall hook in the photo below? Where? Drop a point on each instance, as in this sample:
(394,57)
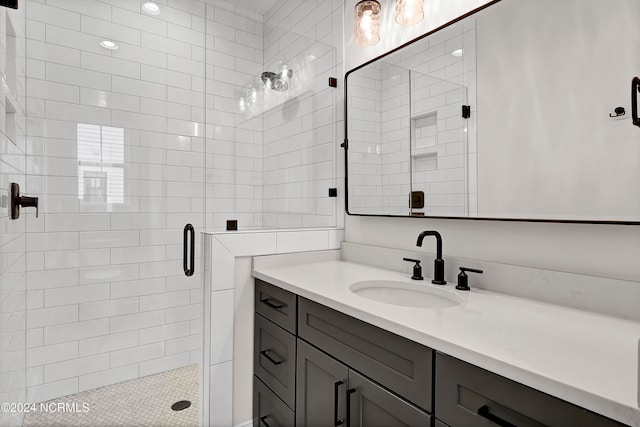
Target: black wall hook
(619,112)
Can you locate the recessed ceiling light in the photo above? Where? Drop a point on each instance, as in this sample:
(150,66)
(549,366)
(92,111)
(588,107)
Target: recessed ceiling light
(151,8)
(108,44)
(457,52)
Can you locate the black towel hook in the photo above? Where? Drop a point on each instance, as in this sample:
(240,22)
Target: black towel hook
(619,111)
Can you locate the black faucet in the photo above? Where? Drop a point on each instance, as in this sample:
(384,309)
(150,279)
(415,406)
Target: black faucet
(438,263)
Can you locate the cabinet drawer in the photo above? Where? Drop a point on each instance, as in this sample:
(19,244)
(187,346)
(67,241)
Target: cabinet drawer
(276,304)
(403,366)
(470,396)
(268,409)
(274,359)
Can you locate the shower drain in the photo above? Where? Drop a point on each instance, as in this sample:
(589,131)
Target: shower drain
(181,405)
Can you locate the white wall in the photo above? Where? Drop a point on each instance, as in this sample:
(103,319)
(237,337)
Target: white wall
(598,250)
(107,297)
(13,257)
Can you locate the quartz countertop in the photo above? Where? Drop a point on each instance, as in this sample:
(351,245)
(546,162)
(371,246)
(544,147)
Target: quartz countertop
(584,358)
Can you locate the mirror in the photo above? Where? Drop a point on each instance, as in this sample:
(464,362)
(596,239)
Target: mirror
(546,83)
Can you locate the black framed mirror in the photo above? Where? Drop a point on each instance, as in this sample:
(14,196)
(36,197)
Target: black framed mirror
(519,111)
(13,4)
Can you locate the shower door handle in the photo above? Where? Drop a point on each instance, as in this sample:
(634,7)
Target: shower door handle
(635,87)
(188,230)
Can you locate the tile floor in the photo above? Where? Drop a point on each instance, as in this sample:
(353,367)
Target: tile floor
(141,402)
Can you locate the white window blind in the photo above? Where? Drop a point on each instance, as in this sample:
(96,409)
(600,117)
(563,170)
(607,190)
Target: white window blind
(100,164)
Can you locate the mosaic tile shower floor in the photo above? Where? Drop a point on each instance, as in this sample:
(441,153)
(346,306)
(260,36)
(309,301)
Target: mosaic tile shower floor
(141,402)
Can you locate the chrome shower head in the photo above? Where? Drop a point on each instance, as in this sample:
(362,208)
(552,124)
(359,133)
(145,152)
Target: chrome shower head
(278,82)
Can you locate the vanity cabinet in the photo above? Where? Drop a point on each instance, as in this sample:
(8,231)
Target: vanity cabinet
(315,366)
(335,370)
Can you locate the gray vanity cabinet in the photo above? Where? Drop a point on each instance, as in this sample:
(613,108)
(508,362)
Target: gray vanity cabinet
(315,366)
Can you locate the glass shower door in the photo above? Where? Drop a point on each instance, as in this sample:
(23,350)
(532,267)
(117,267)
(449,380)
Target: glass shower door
(116,144)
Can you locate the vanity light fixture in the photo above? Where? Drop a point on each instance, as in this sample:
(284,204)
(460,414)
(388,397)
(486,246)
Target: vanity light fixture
(151,8)
(457,52)
(108,44)
(367,23)
(409,12)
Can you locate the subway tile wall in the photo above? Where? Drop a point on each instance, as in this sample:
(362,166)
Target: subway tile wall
(13,257)
(116,153)
(273,154)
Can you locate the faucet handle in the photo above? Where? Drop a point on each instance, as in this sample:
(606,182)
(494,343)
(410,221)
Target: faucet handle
(463,279)
(417,269)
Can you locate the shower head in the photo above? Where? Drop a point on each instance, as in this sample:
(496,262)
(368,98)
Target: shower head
(278,82)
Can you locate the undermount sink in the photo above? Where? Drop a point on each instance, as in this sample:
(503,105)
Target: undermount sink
(405,294)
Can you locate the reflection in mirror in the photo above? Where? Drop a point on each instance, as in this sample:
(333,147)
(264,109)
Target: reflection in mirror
(541,78)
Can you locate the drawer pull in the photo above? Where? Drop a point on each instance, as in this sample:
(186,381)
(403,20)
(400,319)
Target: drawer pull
(349,393)
(273,303)
(276,361)
(485,412)
(263,420)
(336,387)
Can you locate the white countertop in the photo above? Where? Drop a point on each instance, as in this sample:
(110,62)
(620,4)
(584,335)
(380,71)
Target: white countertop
(584,358)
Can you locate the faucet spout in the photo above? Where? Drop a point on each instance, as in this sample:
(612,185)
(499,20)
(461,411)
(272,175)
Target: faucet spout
(438,263)
(438,237)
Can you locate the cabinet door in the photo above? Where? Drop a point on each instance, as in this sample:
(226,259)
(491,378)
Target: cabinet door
(321,386)
(369,405)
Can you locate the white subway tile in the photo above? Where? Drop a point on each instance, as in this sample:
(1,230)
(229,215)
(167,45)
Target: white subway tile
(165,300)
(137,254)
(108,377)
(52,316)
(137,287)
(97,310)
(137,354)
(107,343)
(137,321)
(110,30)
(51,353)
(75,367)
(111,273)
(76,295)
(164,332)
(74,76)
(50,391)
(75,331)
(164,364)
(76,258)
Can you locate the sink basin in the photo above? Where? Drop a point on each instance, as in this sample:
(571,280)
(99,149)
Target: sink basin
(405,294)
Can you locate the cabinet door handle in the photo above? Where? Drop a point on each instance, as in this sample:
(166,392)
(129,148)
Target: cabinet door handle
(188,230)
(349,393)
(485,412)
(273,303)
(263,420)
(336,387)
(635,87)
(276,361)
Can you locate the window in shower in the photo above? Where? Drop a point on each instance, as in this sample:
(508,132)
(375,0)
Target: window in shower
(100,164)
